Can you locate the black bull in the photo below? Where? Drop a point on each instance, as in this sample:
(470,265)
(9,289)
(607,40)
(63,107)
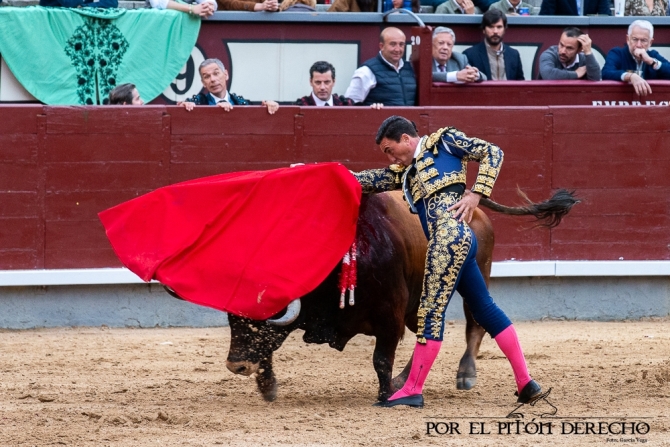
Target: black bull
(391,257)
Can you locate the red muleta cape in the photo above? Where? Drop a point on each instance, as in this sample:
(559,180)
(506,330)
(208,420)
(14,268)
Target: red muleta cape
(246,242)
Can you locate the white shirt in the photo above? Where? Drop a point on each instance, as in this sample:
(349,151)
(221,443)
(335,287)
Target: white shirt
(320,102)
(218,100)
(511,6)
(364,80)
(417,151)
(576,61)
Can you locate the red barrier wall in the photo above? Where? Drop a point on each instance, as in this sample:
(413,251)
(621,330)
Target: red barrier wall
(60,166)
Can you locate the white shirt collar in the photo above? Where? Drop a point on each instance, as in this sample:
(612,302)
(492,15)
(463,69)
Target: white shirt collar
(418,146)
(515,8)
(320,102)
(218,100)
(400,63)
(576,61)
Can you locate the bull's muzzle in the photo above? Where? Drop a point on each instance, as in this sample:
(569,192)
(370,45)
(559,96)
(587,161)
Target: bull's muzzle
(244,368)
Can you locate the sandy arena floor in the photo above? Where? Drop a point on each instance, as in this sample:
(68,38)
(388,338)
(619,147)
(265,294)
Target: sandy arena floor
(150,387)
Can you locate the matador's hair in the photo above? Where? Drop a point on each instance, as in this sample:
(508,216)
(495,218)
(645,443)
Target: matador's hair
(394,126)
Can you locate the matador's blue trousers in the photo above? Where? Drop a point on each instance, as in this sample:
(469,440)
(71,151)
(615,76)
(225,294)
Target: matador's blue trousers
(451,265)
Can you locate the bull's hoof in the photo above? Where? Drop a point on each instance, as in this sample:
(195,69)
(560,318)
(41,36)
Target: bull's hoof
(464,382)
(270,395)
(267,387)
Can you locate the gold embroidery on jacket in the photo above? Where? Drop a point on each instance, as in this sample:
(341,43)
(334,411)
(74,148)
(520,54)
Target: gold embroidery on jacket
(378,180)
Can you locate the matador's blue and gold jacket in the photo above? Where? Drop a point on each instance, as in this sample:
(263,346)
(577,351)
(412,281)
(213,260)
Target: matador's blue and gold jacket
(441,163)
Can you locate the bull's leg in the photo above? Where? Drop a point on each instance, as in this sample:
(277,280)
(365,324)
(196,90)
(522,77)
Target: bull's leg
(382,360)
(466,377)
(265,379)
(399,380)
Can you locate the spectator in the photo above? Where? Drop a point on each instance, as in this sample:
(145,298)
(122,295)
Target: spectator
(353,6)
(80,3)
(572,58)
(635,62)
(450,65)
(571,8)
(248,5)
(385,79)
(458,7)
(645,8)
(203,8)
(512,7)
(410,5)
(433,3)
(298,6)
(322,80)
(495,60)
(125,95)
(214,77)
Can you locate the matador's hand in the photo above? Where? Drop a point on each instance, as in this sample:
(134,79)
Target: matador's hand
(465,207)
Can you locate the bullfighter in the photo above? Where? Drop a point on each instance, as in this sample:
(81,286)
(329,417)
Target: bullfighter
(431,171)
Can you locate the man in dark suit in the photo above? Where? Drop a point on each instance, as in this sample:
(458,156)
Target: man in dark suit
(636,62)
(450,65)
(214,77)
(497,61)
(322,80)
(571,8)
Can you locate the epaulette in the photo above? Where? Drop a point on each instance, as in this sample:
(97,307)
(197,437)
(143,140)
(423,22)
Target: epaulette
(197,99)
(430,143)
(239,100)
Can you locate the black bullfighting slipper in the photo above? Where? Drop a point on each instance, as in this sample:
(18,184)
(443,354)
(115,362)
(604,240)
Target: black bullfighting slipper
(530,393)
(415,401)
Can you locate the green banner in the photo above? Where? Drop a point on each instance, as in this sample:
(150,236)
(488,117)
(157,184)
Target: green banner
(76,56)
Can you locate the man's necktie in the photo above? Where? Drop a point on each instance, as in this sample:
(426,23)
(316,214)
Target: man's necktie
(441,68)
(326,104)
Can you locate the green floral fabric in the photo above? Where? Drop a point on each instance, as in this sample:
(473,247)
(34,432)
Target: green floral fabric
(76,56)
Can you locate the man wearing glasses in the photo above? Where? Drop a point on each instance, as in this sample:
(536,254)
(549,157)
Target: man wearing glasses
(635,62)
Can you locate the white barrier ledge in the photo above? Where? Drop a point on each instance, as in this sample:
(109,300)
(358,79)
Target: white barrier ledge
(505,269)
(510,269)
(67,277)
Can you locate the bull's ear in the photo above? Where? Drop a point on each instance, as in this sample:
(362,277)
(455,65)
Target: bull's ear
(292,312)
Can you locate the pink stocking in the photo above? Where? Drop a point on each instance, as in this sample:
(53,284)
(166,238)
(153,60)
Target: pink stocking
(424,356)
(508,342)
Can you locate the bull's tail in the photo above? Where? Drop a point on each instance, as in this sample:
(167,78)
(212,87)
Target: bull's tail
(549,213)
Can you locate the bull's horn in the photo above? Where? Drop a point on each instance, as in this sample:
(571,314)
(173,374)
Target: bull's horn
(172,292)
(291,314)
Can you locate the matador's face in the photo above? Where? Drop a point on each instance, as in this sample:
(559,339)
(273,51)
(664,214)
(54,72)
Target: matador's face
(399,152)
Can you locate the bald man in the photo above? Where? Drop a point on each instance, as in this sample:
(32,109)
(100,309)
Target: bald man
(385,79)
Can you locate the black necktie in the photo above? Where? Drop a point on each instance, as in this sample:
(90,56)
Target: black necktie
(326,104)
